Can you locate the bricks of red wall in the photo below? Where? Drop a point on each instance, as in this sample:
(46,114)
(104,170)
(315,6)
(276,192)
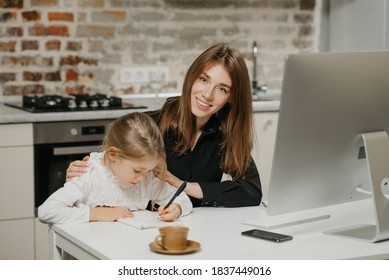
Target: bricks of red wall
(64,46)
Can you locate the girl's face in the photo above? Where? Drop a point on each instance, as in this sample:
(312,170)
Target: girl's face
(210,92)
(132,172)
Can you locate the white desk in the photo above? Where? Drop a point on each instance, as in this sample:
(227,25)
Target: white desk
(219,232)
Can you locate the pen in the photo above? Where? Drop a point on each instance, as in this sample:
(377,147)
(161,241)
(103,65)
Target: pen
(177,193)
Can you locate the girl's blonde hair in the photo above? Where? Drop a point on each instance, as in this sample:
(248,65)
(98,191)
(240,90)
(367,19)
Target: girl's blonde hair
(135,136)
(235,117)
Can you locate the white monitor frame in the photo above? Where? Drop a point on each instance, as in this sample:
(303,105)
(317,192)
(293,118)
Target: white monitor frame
(328,101)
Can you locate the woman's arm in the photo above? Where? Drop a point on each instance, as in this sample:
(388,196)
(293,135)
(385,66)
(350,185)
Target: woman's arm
(243,192)
(193,189)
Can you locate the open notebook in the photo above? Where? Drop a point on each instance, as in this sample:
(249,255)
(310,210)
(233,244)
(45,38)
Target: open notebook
(146,219)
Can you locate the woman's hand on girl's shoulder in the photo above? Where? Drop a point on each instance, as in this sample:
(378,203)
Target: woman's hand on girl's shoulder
(77,168)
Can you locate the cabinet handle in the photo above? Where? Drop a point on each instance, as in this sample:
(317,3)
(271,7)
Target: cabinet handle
(76,150)
(268,123)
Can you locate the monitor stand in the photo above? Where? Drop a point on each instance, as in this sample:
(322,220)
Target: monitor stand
(290,219)
(377,155)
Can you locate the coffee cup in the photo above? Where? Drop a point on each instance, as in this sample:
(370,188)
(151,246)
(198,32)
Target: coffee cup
(172,238)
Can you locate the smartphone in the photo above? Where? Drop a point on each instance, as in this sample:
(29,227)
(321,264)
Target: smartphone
(267,235)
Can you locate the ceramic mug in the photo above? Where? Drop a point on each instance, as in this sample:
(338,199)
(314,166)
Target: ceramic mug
(172,238)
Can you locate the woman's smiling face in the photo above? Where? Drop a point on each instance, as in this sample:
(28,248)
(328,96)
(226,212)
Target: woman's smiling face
(210,92)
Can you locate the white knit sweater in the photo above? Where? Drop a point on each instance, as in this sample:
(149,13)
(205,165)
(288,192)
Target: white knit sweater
(98,187)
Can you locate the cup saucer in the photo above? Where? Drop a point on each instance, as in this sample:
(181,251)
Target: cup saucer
(191,247)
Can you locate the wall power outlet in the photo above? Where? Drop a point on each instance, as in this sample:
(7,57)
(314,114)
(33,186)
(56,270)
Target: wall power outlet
(144,74)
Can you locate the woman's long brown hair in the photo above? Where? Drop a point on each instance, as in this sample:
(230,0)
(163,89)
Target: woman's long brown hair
(235,117)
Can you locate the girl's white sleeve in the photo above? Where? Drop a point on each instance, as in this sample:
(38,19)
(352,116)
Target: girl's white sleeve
(167,193)
(65,205)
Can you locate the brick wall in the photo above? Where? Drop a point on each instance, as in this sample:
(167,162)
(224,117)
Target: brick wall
(79,46)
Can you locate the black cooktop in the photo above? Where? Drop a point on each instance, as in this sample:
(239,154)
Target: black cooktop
(71,103)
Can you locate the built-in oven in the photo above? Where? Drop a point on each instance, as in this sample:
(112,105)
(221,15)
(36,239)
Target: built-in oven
(56,145)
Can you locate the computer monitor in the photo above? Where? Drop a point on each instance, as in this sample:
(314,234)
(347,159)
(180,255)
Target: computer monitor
(328,101)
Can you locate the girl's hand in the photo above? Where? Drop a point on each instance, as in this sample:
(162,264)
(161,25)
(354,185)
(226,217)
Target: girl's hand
(171,213)
(77,168)
(109,214)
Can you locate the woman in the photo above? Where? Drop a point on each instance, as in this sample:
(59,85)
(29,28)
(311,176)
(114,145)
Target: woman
(208,132)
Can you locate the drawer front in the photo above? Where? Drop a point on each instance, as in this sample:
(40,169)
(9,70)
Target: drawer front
(16,135)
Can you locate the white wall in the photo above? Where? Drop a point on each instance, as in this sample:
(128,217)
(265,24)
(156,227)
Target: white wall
(356,25)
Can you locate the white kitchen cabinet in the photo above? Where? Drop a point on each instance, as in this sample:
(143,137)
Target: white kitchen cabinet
(265,128)
(17,239)
(16,192)
(17,182)
(16,172)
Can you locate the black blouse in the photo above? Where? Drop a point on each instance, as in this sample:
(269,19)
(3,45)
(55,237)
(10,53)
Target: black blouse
(202,165)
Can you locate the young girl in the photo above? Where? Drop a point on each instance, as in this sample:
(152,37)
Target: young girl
(119,179)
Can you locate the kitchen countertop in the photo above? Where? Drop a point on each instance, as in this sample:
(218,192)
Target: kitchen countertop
(13,115)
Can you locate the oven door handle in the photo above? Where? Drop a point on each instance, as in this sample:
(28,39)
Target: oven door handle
(76,150)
